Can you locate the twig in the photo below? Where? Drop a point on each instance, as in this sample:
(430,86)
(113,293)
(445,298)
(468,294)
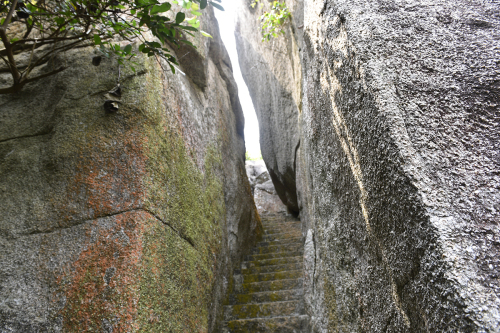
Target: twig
(18,86)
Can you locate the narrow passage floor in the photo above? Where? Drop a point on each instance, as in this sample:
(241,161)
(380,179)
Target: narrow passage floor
(268,290)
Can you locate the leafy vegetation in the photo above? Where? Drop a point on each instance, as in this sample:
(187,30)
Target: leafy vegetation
(48,27)
(272,22)
(253,157)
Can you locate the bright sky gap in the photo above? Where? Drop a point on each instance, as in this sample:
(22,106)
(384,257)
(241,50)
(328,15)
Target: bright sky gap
(226,20)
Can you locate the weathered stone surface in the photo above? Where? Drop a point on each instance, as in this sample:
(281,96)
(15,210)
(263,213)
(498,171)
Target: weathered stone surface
(266,199)
(397,169)
(126,221)
(279,138)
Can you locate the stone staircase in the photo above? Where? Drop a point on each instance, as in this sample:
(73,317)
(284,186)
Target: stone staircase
(268,293)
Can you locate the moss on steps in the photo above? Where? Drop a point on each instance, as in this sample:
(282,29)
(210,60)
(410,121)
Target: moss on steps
(269,288)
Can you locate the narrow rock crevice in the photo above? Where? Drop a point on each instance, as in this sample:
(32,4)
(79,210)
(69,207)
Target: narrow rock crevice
(41,133)
(52,230)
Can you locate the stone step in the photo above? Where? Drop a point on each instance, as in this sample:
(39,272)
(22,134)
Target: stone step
(263,310)
(273,261)
(278,217)
(281,236)
(253,287)
(267,296)
(283,324)
(247,278)
(288,247)
(272,268)
(297,225)
(256,257)
(283,241)
(285,231)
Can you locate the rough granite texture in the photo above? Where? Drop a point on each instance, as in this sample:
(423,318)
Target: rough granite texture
(397,170)
(278,130)
(123,222)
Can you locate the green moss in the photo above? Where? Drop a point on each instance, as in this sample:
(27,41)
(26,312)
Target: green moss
(331,306)
(179,260)
(165,276)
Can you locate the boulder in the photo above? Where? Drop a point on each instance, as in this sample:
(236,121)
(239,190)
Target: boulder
(266,198)
(396,174)
(124,214)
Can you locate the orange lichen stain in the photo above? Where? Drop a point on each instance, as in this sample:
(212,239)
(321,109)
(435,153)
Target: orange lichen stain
(101,289)
(113,178)
(109,172)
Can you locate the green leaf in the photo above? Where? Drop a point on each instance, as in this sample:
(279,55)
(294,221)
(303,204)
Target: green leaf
(188,43)
(60,20)
(194,12)
(203,4)
(179,18)
(127,49)
(160,8)
(219,7)
(194,23)
(97,40)
(13,40)
(195,6)
(185,27)
(186,4)
(206,34)
(154,44)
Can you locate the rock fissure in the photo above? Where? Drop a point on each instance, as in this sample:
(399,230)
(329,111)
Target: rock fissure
(184,237)
(27,136)
(40,232)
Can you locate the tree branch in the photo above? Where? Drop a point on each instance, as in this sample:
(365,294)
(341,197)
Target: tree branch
(18,86)
(8,48)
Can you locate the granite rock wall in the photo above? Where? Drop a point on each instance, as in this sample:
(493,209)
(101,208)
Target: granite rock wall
(392,108)
(126,221)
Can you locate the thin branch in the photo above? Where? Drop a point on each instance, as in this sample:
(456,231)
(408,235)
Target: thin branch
(39,77)
(31,58)
(6,62)
(10,55)
(61,49)
(18,86)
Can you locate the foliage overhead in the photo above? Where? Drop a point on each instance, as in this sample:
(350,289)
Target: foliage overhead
(272,22)
(48,27)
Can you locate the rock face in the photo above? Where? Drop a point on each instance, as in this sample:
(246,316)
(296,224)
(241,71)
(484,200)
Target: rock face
(265,196)
(279,136)
(123,221)
(396,133)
